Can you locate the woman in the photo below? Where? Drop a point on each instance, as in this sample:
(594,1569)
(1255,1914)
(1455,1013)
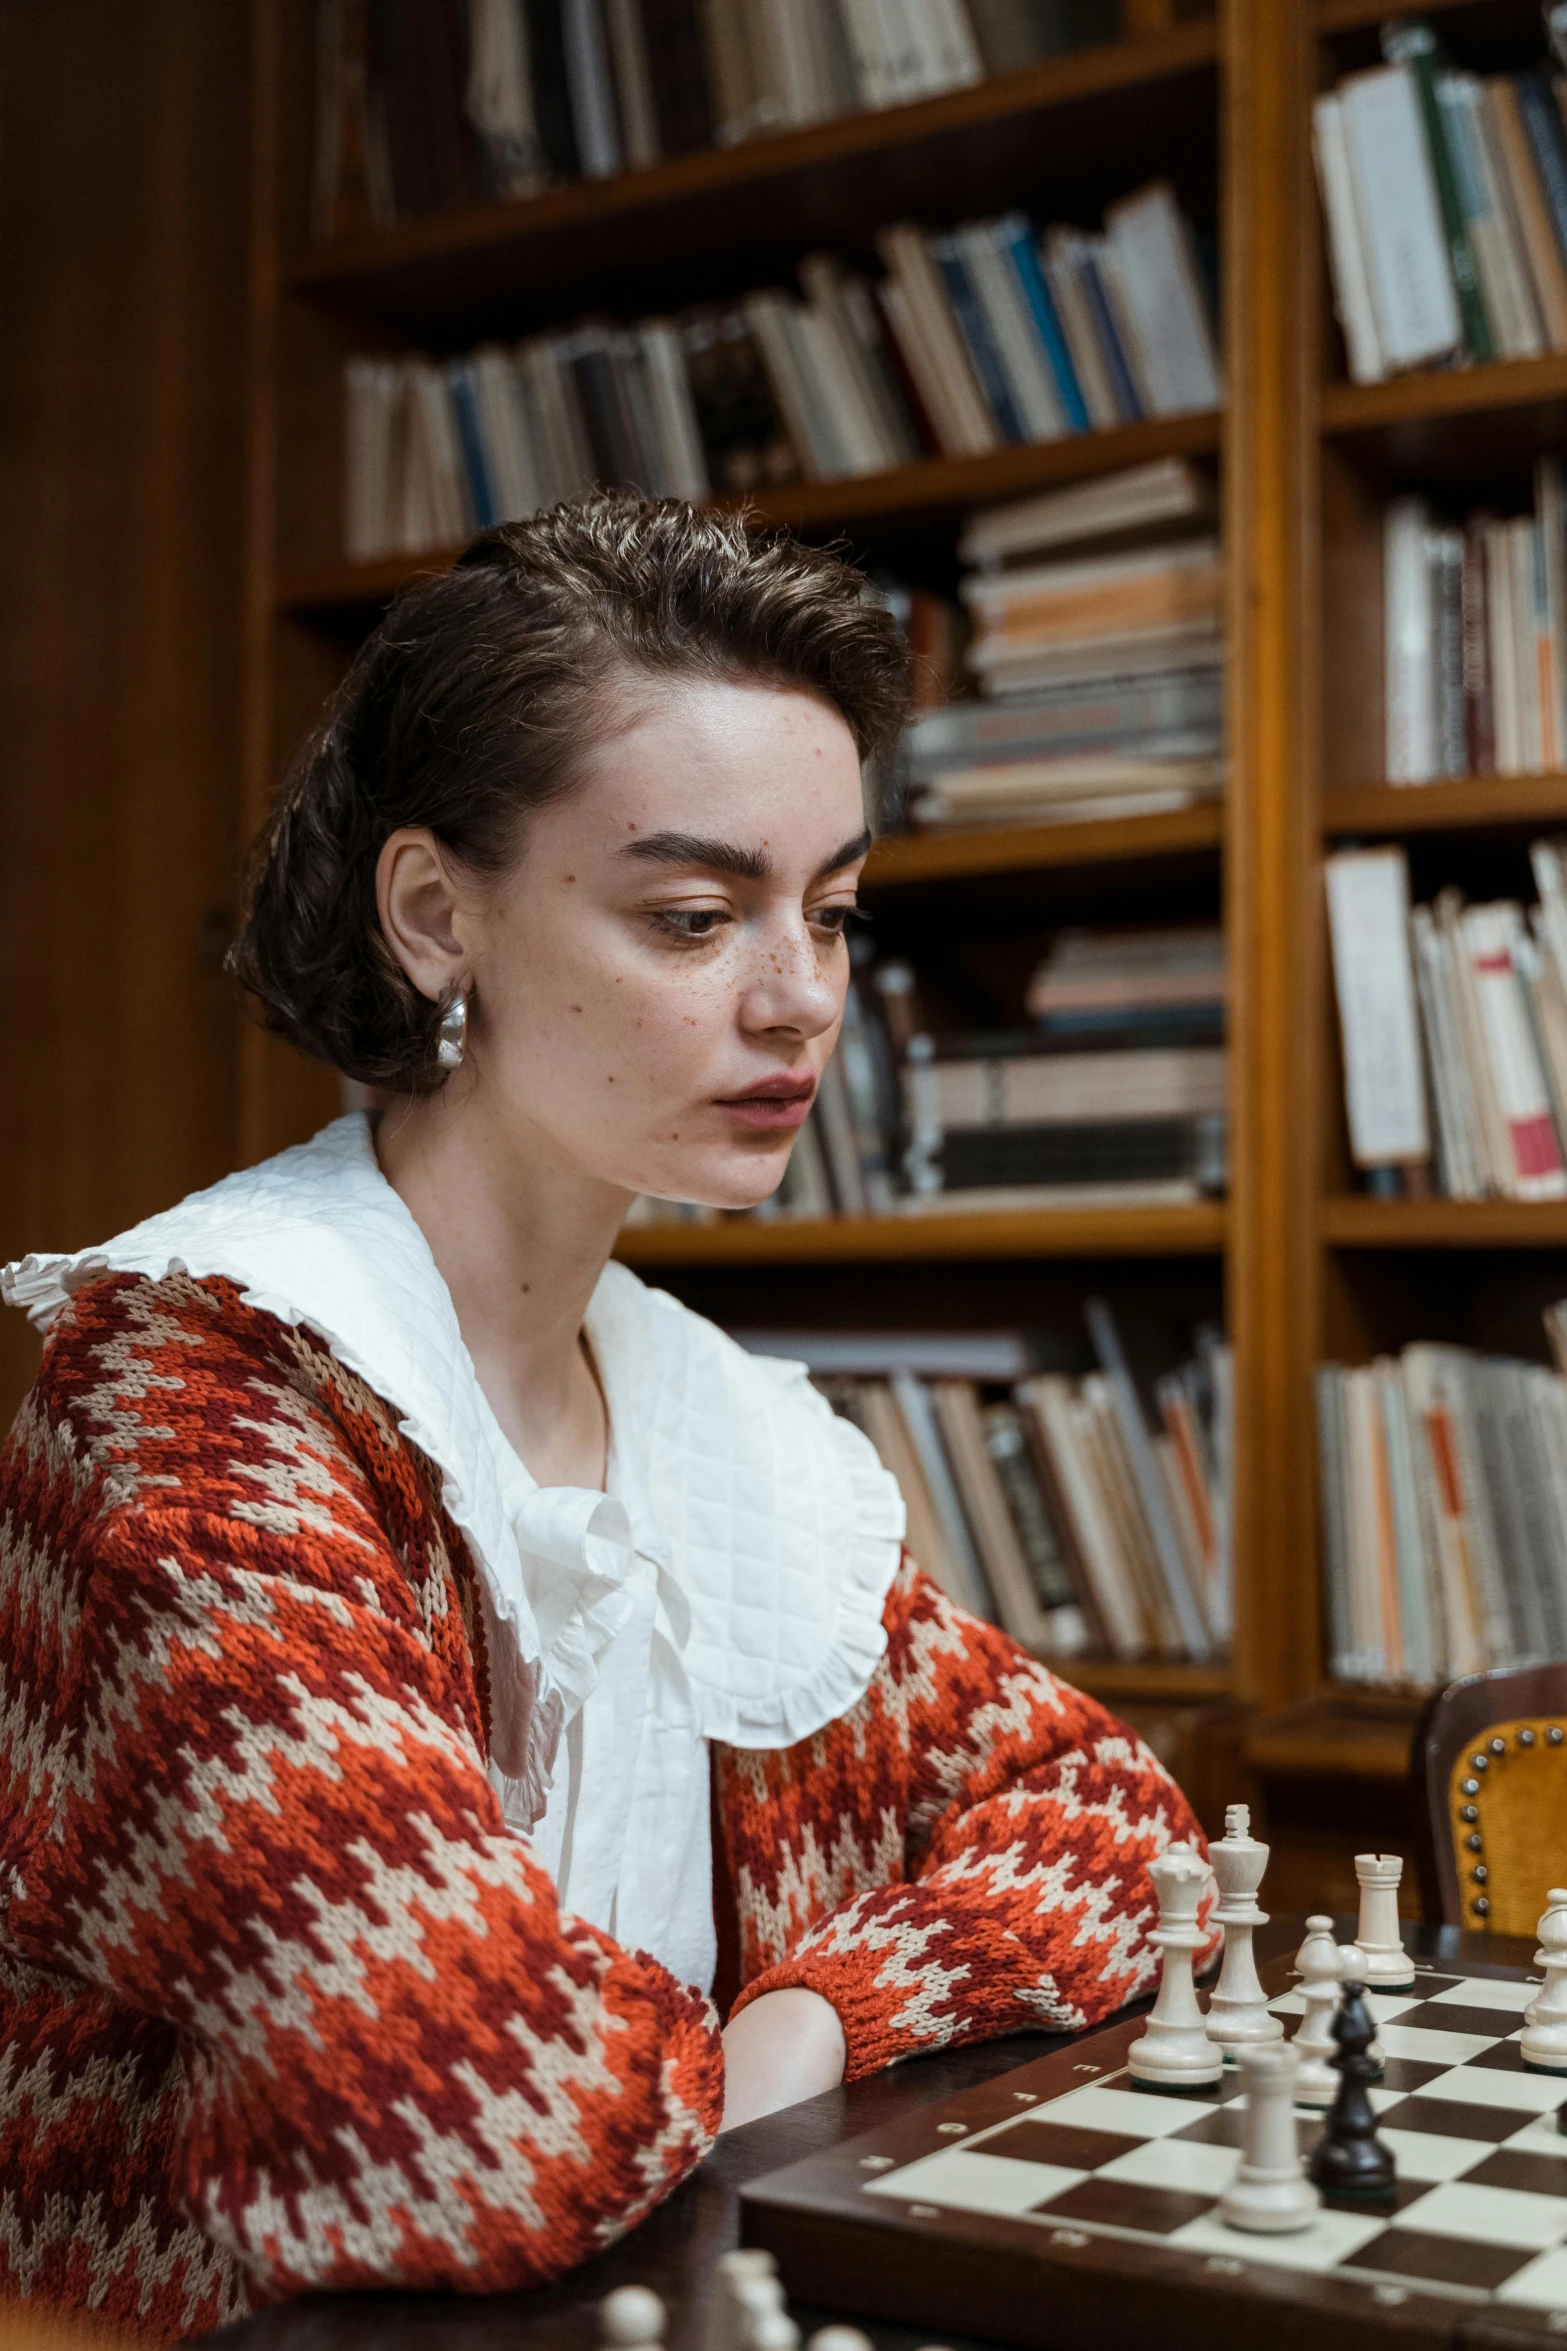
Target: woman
(395,1593)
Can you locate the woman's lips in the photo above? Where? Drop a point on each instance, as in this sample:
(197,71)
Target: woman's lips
(777,1105)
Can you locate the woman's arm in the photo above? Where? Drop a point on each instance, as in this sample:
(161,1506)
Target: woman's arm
(1028,1816)
(272,1828)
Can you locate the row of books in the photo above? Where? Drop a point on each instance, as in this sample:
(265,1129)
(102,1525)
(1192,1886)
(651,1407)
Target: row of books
(1476,639)
(425,105)
(973,339)
(1446,202)
(1117,1094)
(1444,1500)
(1454,1027)
(1097,645)
(1080,1517)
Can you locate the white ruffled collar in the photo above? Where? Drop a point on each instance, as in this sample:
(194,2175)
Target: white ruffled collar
(775,1529)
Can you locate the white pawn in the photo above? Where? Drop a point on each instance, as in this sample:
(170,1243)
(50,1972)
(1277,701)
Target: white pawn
(1175,2051)
(1239,2013)
(1543,2042)
(631,2319)
(1388,1964)
(838,2339)
(1268,2191)
(1318,1963)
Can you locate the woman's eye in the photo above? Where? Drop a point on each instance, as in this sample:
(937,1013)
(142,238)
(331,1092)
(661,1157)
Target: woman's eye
(834,920)
(690,922)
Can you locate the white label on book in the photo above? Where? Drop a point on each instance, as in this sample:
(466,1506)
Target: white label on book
(1368,916)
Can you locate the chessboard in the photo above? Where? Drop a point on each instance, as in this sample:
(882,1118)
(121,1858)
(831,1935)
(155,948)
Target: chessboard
(1063,2206)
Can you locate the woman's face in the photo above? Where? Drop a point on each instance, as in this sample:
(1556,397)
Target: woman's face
(659,981)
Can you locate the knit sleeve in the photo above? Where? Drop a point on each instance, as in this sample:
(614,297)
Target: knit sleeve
(269,1826)
(1028,1816)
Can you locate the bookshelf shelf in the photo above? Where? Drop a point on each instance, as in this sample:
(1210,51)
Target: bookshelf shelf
(933,857)
(1351,1222)
(936,486)
(1393,809)
(427,275)
(1194,1231)
(1348,16)
(1145,1683)
(1340,1734)
(1503,383)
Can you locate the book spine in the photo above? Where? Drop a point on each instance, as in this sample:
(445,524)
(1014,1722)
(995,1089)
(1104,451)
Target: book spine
(1134,1432)
(1409,694)
(1384,1090)
(947,254)
(1415,45)
(1479,708)
(1346,252)
(1128,398)
(1547,139)
(1522,1096)
(1021,252)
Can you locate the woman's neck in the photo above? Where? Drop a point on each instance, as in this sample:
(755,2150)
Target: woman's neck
(520,1239)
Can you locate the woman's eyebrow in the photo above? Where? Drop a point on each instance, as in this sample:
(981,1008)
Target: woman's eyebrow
(747,865)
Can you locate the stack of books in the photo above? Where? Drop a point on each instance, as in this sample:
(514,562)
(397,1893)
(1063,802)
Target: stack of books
(1098,649)
(1454,1027)
(1444,1503)
(1084,1516)
(1446,203)
(1476,639)
(1115,1097)
(424,105)
(973,339)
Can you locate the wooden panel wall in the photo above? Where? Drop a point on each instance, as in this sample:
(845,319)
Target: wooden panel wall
(124,159)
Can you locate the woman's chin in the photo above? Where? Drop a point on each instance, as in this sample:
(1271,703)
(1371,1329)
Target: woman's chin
(731,1184)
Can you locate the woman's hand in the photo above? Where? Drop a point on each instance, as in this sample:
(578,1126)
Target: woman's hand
(786,2046)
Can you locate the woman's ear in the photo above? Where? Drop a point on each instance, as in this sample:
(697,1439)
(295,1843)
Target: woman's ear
(421,912)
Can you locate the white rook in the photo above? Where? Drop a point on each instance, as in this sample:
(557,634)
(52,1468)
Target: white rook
(1543,2042)
(1175,2050)
(1269,2193)
(1239,2013)
(1388,1964)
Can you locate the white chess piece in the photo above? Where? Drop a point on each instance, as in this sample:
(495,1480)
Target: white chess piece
(631,2319)
(1543,2041)
(1318,1963)
(744,2288)
(837,2338)
(1269,2193)
(1238,2012)
(1175,2050)
(1388,1964)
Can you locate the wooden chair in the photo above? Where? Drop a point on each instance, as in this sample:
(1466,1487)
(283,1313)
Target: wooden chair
(1488,1770)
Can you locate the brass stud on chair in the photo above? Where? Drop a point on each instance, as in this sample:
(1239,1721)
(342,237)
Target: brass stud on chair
(1480,1874)
(1468,1812)
(1526,1737)
(1553,1737)
(1498,1746)
(1470,1788)
(1482,1907)
(1475,1842)
(1478,1762)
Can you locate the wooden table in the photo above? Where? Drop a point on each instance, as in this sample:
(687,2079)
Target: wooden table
(674,2249)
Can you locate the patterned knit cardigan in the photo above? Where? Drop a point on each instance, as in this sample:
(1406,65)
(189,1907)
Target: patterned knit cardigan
(283,2003)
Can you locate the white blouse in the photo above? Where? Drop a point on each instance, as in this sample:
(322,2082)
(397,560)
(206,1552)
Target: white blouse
(728,1584)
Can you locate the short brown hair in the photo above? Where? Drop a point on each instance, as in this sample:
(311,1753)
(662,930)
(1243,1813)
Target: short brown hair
(472,704)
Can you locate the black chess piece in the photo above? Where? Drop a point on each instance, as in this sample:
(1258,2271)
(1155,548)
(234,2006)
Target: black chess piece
(1349,2159)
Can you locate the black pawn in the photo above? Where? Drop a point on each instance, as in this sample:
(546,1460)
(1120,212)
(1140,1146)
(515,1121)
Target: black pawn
(1349,2159)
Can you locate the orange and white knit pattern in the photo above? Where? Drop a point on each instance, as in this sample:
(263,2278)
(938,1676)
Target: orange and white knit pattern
(283,2002)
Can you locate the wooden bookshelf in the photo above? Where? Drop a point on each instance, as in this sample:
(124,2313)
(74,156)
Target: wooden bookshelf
(998,849)
(1355,1222)
(1177,1231)
(1223,104)
(429,274)
(1391,810)
(935,487)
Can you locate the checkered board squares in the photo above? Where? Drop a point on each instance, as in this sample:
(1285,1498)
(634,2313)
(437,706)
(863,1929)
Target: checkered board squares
(1480,2209)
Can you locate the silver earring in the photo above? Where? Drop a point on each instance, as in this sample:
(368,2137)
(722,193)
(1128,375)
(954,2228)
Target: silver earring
(453,1031)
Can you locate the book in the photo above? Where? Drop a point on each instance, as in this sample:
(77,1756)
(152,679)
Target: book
(1157,269)
(1352,301)
(1166,491)
(1397,202)
(1412,43)
(1384,1089)
(1021,1089)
